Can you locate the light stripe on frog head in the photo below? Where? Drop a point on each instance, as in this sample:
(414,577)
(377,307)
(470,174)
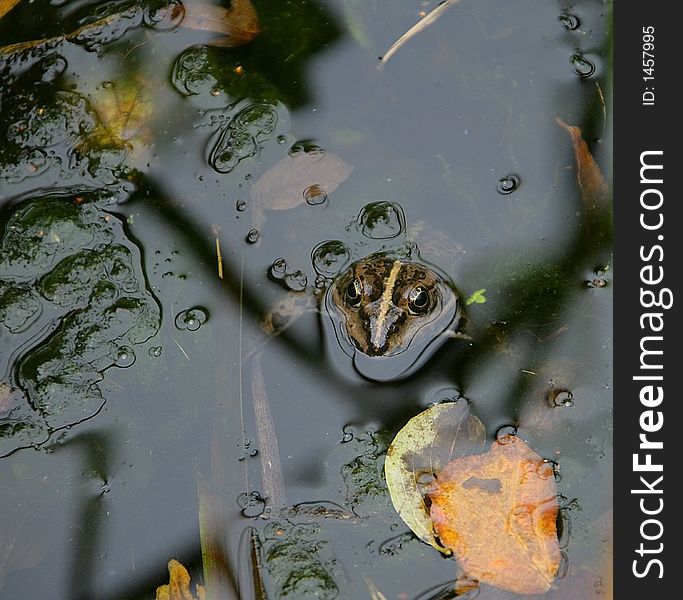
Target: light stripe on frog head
(378,325)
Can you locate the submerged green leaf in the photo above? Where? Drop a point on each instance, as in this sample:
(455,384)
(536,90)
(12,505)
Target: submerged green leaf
(425,445)
(477,297)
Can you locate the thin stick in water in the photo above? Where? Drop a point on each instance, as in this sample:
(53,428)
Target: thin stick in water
(425,22)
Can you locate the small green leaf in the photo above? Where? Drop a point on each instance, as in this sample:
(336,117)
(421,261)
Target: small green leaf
(477,297)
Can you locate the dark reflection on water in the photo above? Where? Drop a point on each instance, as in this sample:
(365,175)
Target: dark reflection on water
(458,130)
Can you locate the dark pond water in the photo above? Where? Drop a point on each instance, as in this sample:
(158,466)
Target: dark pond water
(133,148)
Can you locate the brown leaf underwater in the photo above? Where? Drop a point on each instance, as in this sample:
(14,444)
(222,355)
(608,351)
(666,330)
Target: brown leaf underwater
(497,511)
(238,24)
(591,181)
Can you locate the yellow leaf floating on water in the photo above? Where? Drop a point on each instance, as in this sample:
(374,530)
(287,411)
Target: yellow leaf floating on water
(423,448)
(125,110)
(497,511)
(178,586)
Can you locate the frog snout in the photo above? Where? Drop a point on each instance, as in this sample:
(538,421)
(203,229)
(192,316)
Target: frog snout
(381,323)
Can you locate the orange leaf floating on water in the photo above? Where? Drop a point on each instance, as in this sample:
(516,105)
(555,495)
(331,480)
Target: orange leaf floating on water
(497,511)
(592,183)
(238,24)
(178,586)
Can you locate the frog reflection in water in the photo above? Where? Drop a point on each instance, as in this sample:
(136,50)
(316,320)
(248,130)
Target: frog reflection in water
(388,310)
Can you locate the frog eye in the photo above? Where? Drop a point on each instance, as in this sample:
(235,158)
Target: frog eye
(418,300)
(354,293)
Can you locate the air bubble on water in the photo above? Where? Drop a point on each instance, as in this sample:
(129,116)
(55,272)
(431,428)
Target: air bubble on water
(296,281)
(598,282)
(281,139)
(125,357)
(164,16)
(251,504)
(569,22)
(583,67)
(504,433)
(315,195)
(253,236)
(240,205)
(382,220)
(330,257)
(547,469)
(278,269)
(560,398)
(191,319)
(155,351)
(424,478)
(508,184)
(307,147)
(347,434)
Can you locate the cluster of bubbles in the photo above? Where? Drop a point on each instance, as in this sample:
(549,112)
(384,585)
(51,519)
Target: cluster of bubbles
(292,280)
(582,66)
(251,504)
(191,319)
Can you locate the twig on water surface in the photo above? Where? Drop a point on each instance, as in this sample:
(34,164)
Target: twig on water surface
(423,23)
(219,256)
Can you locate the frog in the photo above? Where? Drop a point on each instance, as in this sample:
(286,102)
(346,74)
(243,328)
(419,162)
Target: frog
(380,303)
(389,309)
